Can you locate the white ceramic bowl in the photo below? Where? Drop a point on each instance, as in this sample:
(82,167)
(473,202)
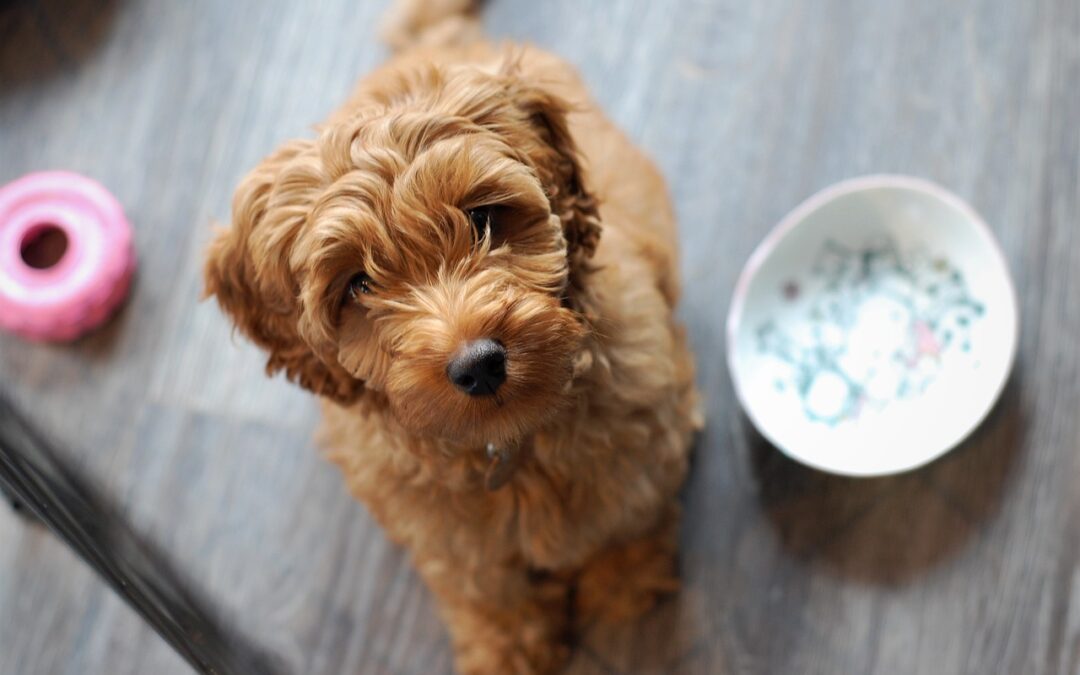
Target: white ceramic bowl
(874,328)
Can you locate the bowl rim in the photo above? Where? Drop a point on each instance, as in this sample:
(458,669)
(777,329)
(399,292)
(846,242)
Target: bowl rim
(797,215)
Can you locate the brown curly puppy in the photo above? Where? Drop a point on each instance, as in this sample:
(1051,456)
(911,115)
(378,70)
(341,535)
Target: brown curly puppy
(507,390)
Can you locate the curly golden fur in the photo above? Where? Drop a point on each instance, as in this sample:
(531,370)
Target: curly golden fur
(598,405)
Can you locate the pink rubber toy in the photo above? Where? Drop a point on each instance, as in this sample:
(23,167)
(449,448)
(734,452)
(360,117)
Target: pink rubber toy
(78,290)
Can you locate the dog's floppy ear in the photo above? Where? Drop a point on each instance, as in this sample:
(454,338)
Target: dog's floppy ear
(561,171)
(532,118)
(247,268)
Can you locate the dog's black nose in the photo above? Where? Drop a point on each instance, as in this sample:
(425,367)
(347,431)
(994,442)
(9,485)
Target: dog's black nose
(478,368)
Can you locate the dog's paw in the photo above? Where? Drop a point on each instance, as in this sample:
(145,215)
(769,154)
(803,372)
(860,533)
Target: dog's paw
(526,638)
(524,653)
(626,581)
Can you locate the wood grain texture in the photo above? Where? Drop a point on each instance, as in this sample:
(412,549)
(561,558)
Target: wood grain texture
(967,566)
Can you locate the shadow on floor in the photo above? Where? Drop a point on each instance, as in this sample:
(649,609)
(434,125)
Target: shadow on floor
(39,38)
(891,530)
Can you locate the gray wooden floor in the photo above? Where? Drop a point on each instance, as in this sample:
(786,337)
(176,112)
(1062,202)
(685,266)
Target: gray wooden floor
(968,566)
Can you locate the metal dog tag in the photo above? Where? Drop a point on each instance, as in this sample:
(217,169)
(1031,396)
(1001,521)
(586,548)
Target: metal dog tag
(504,462)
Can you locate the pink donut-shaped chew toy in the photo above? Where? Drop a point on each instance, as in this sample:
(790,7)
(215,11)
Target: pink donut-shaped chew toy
(66,255)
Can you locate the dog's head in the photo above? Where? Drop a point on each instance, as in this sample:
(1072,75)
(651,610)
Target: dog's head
(424,252)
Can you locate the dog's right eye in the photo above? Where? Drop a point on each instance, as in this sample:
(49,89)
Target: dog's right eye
(481,220)
(359,284)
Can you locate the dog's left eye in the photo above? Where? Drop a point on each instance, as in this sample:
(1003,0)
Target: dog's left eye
(359,284)
(481,220)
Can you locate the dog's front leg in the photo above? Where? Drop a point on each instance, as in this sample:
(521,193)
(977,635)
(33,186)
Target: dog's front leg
(503,619)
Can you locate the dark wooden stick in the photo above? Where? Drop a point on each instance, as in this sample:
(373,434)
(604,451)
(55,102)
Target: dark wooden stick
(32,475)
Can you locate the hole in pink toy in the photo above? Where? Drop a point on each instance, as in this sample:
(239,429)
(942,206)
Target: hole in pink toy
(43,246)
